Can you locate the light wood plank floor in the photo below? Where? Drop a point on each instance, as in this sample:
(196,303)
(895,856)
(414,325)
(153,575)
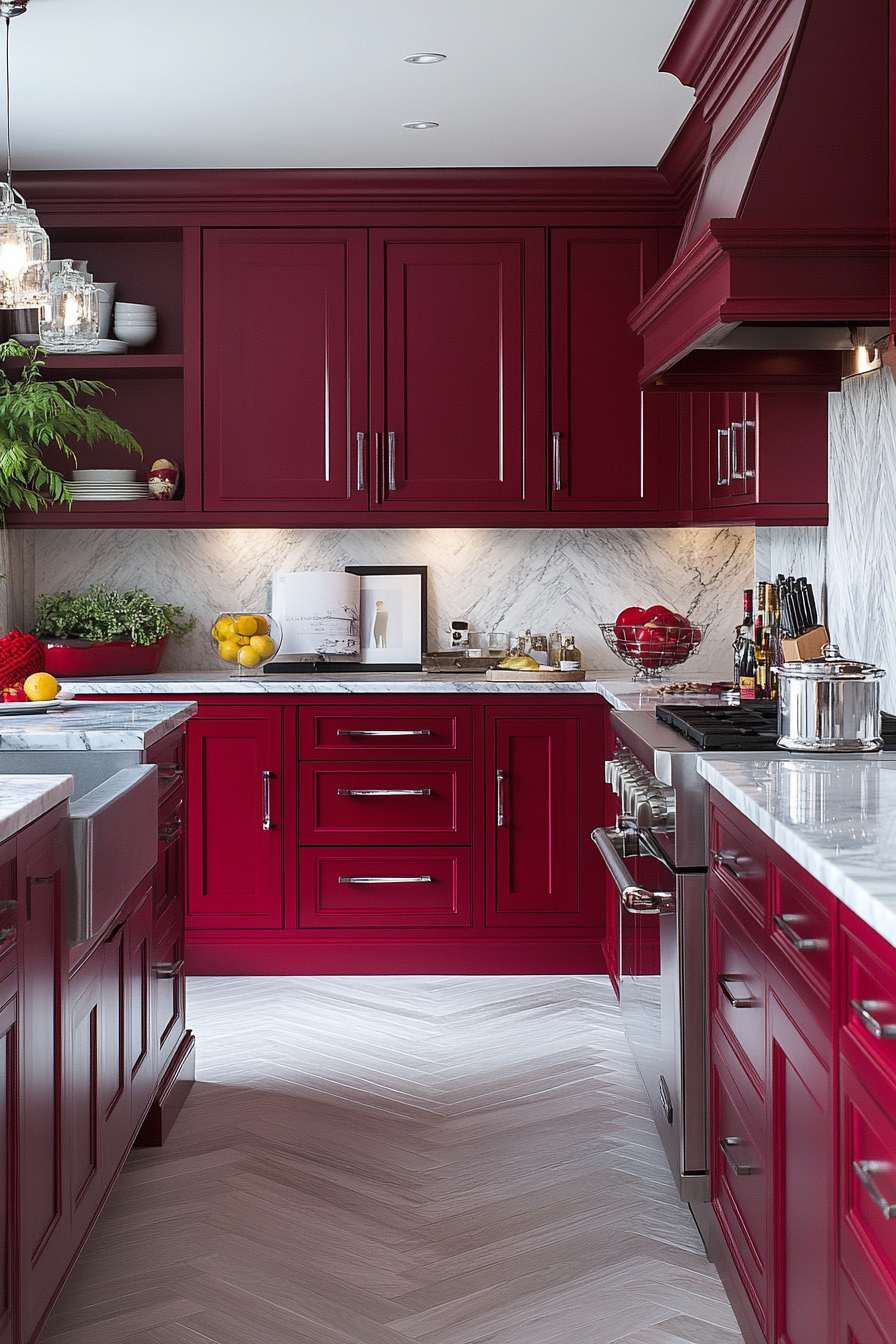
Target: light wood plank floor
(400,1160)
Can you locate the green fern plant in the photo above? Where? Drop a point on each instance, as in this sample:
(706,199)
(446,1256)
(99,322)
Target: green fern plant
(36,414)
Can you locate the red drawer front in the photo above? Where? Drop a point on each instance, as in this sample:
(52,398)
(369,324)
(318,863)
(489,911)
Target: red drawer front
(737,986)
(384,734)
(868,1008)
(388,805)
(384,889)
(802,933)
(739,1183)
(868,1233)
(734,859)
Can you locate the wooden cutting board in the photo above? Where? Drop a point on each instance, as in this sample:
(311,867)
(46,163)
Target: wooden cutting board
(512,674)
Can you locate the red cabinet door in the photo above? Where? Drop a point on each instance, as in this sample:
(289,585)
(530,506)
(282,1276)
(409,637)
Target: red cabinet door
(9,1069)
(285,369)
(613,449)
(458,369)
(532,820)
(168,988)
(234,837)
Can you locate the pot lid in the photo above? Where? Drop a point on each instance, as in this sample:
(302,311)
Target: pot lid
(832,666)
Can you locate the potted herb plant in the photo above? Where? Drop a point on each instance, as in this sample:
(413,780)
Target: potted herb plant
(36,414)
(103,632)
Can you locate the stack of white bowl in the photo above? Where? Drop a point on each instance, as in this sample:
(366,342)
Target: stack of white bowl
(135,323)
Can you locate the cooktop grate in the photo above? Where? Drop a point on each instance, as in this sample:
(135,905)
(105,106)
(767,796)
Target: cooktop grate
(740,727)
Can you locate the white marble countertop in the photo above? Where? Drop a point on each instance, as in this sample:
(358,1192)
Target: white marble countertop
(836,816)
(24,798)
(621,691)
(94,727)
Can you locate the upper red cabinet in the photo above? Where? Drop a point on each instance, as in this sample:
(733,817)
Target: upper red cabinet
(458,369)
(613,450)
(285,369)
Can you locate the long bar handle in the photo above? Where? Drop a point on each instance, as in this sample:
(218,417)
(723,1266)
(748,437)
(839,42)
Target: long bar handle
(642,901)
(864,1172)
(266,777)
(499,797)
(734,999)
(383,793)
(169,769)
(735,426)
(556,454)
(369,881)
(747,472)
(725,859)
(391,439)
(719,478)
(359,440)
(169,970)
(384,732)
(784,923)
(621,876)
(727,1146)
(168,834)
(883,1031)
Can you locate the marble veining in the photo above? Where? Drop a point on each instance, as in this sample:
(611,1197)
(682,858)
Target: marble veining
(801,551)
(835,817)
(103,727)
(566,579)
(24,798)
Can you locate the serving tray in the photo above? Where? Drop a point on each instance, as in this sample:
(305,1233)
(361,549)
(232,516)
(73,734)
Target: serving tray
(512,674)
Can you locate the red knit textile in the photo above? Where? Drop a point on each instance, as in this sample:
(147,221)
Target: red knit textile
(20,655)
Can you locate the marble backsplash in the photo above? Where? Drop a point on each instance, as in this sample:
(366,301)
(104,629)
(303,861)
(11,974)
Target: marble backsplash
(507,579)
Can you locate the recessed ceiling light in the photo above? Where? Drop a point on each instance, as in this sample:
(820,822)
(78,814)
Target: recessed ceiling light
(419,125)
(425,58)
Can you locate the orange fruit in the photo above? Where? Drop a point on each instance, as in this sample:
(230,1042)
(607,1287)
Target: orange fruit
(41,686)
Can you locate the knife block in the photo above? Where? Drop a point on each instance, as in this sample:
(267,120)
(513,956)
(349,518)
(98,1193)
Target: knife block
(808,645)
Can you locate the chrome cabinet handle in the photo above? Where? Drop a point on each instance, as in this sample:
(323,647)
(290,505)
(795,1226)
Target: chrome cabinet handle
(883,1031)
(720,480)
(266,777)
(169,769)
(391,439)
(556,450)
(169,970)
(747,474)
(864,1171)
(725,860)
(383,793)
(499,797)
(370,881)
(785,924)
(383,732)
(727,1146)
(733,999)
(168,834)
(641,901)
(359,440)
(737,425)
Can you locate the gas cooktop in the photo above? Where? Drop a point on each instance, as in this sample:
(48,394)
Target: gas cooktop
(751,727)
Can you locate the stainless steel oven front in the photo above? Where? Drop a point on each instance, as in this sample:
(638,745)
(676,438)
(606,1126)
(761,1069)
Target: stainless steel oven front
(662,935)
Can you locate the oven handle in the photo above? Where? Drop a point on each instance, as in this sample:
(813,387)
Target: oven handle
(636,900)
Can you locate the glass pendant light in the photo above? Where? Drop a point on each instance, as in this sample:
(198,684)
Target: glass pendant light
(24,245)
(70,317)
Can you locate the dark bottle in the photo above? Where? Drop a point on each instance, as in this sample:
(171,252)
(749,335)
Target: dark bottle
(745,666)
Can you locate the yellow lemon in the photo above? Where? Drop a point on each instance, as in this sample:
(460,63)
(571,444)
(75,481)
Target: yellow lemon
(248,657)
(261,626)
(224,629)
(246,625)
(41,686)
(241,640)
(263,645)
(229,650)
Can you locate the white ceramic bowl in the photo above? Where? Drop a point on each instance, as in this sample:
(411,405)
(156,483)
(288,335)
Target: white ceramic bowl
(134,310)
(111,475)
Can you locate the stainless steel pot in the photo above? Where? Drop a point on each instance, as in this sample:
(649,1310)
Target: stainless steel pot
(829,704)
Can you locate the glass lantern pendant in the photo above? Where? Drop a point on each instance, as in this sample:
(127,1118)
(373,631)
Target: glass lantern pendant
(70,318)
(24,253)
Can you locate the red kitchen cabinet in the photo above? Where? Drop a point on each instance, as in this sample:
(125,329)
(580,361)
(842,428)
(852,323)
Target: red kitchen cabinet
(613,449)
(381,888)
(458,369)
(9,1138)
(234,845)
(285,369)
(387,804)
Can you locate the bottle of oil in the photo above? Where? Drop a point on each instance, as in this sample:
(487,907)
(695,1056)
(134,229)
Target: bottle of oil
(745,655)
(570,657)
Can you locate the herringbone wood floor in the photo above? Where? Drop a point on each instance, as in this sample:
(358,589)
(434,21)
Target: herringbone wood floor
(400,1160)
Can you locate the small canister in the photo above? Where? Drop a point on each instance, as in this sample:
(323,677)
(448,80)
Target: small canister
(829,704)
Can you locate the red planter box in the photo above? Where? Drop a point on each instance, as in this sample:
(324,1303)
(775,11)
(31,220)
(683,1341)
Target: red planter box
(118,657)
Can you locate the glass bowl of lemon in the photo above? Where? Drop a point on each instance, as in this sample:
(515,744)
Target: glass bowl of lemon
(246,640)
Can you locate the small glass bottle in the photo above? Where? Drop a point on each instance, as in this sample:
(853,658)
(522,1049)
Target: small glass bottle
(570,657)
(538,649)
(555,644)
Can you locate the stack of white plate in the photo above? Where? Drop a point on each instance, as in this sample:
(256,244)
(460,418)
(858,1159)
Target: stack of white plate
(107,483)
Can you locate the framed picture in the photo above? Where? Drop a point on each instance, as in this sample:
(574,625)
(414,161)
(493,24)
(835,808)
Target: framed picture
(393,617)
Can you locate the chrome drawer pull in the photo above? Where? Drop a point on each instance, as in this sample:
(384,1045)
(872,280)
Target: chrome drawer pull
(369,881)
(883,1031)
(864,1172)
(784,923)
(725,860)
(391,441)
(641,901)
(735,1002)
(359,439)
(169,769)
(720,480)
(555,437)
(169,970)
(726,1146)
(499,797)
(266,822)
(384,793)
(383,732)
(168,834)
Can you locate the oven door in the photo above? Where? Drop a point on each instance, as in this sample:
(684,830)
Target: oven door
(661,969)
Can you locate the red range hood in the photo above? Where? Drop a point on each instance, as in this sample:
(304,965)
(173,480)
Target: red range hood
(786,243)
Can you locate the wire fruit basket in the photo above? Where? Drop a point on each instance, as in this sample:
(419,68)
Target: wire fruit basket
(652,648)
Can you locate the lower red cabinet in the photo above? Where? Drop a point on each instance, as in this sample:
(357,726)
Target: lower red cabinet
(9,1138)
(364,888)
(388,804)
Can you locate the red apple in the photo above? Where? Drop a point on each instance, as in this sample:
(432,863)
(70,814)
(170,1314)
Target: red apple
(659,613)
(651,644)
(13,694)
(627,624)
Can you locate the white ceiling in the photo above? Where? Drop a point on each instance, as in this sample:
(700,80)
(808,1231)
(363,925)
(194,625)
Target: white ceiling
(322,83)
